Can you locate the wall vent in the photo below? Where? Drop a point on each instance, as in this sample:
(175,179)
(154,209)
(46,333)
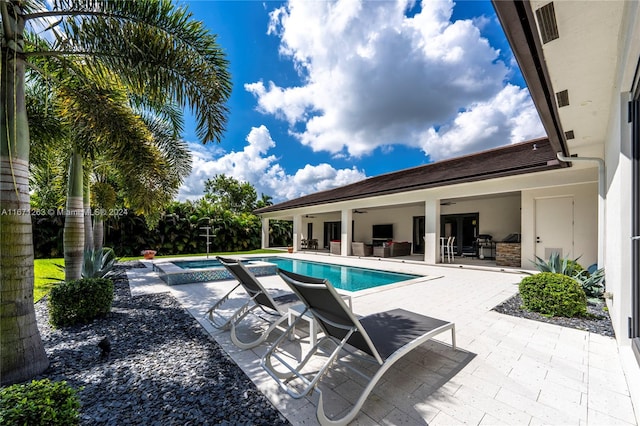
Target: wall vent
(547,23)
(562,98)
(569,134)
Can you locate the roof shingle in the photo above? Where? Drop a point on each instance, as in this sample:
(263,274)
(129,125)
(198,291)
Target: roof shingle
(499,162)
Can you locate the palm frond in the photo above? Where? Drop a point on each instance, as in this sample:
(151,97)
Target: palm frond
(158,50)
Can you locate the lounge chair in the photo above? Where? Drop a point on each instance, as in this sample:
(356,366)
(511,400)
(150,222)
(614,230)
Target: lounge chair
(383,338)
(272,310)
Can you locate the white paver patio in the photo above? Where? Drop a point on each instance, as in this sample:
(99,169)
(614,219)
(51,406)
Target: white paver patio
(506,370)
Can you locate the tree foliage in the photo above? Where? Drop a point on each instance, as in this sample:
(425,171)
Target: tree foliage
(227,193)
(157,51)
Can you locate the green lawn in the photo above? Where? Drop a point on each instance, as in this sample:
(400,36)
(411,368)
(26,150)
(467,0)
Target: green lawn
(45,269)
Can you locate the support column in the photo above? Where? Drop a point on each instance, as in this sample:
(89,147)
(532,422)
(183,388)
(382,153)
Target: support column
(432,231)
(297,228)
(346,232)
(265,233)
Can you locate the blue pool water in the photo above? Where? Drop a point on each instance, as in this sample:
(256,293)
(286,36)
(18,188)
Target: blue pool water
(343,277)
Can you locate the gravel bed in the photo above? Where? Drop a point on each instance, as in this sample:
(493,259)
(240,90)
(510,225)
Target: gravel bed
(597,319)
(162,369)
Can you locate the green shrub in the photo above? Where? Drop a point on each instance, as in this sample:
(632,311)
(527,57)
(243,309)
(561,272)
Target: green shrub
(80,301)
(553,294)
(40,402)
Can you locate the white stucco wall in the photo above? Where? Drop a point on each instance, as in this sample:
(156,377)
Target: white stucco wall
(617,152)
(499,216)
(585,227)
(400,217)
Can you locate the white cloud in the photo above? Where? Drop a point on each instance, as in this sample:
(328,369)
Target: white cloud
(254,165)
(374,77)
(508,117)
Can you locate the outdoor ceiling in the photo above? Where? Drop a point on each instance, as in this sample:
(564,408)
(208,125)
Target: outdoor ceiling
(583,61)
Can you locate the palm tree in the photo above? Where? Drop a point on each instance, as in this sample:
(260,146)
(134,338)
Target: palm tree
(158,51)
(138,137)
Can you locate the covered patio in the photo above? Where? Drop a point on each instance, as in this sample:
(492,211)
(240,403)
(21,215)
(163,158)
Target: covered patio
(501,207)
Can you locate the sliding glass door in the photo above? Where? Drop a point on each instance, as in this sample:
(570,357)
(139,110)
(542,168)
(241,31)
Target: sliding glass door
(332,231)
(465,228)
(418,234)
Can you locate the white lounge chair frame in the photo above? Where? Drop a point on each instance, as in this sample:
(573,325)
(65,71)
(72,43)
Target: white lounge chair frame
(272,310)
(344,330)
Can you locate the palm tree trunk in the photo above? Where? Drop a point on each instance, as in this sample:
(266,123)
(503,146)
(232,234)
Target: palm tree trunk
(22,353)
(98,232)
(88,229)
(74,221)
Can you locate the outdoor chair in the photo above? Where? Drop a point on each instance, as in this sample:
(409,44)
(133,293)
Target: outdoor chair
(449,249)
(361,249)
(272,310)
(381,338)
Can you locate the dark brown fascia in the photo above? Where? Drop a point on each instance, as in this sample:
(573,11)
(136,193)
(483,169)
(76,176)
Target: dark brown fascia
(519,25)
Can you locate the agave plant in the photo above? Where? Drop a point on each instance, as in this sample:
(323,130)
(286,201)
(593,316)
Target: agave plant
(98,263)
(592,284)
(558,265)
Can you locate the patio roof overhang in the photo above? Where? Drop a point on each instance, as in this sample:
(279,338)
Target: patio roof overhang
(570,74)
(527,157)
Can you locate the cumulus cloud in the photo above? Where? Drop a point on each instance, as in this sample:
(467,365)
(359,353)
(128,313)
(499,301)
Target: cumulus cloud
(373,76)
(254,165)
(508,117)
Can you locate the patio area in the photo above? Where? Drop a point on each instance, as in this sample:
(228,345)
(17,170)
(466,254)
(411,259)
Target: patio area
(506,370)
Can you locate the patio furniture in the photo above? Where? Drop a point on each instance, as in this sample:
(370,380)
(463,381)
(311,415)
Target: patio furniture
(400,248)
(449,249)
(361,249)
(382,338)
(272,310)
(300,310)
(335,247)
(393,249)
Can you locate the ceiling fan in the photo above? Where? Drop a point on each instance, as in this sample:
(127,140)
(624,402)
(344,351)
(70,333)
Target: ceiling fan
(308,216)
(356,211)
(446,203)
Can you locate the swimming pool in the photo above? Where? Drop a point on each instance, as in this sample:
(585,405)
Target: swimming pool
(349,278)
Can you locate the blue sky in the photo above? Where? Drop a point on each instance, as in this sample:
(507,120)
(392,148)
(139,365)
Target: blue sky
(329,93)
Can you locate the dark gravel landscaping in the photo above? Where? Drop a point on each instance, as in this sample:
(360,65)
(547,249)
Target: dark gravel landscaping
(162,367)
(596,321)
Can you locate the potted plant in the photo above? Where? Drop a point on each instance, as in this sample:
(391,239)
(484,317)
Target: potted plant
(290,249)
(148,254)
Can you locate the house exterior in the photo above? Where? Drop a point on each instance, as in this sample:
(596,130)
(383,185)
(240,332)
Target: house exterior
(576,192)
(511,190)
(581,63)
